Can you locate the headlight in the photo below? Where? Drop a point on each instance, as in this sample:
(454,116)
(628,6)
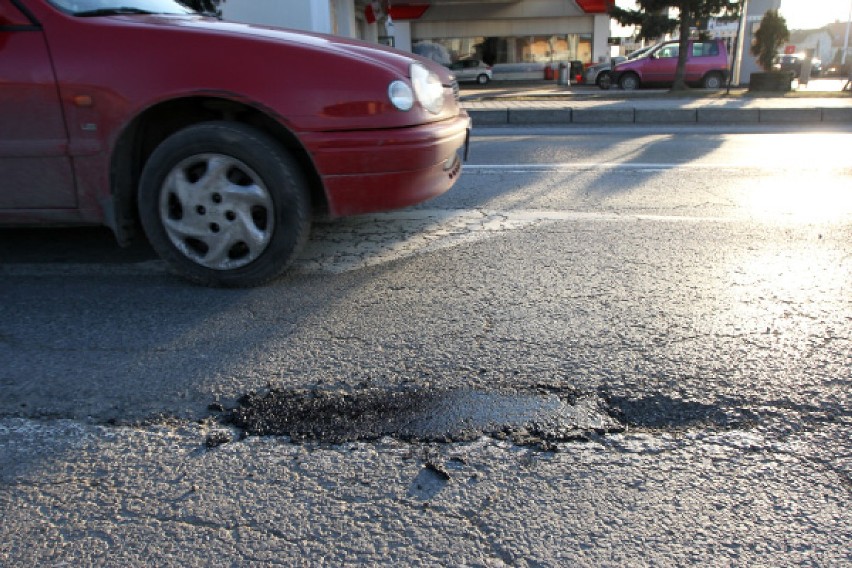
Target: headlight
(427,88)
(401,95)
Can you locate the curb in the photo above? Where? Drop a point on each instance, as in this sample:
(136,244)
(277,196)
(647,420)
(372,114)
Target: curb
(632,115)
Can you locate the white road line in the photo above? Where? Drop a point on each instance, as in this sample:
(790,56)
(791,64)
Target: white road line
(594,165)
(770,167)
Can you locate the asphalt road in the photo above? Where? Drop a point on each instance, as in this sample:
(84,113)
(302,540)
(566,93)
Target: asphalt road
(602,347)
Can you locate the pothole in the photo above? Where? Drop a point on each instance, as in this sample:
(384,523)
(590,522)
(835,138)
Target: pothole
(540,415)
(451,415)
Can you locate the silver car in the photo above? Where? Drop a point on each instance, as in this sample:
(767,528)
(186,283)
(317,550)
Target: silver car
(598,73)
(467,70)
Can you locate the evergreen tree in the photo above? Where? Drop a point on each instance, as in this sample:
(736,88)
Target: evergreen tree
(206,7)
(653,20)
(773,33)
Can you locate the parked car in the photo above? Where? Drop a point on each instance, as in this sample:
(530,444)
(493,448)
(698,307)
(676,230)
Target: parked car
(599,74)
(220,140)
(467,70)
(794,63)
(706,66)
(641,51)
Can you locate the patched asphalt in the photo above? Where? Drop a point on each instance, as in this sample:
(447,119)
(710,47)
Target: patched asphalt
(541,416)
(450,415)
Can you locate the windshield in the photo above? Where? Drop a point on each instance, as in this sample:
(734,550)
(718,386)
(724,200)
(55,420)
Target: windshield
(642,52)
(112,7)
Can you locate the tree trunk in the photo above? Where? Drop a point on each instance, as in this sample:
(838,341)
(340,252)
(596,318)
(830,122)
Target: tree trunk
(679,79)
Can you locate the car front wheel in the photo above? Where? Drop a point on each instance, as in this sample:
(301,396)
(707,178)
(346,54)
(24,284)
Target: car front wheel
(482,79)
(604,80)
(224,205)
(713,81)
(629,82)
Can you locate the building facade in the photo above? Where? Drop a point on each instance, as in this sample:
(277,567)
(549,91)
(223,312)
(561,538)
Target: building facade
(511,35)
(755,10)
(518,38)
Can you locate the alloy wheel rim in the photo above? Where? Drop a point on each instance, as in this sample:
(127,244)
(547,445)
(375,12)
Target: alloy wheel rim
(217,211)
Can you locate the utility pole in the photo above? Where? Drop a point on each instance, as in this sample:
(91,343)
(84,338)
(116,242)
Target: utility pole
(846,40)
(848,85)
(738,55)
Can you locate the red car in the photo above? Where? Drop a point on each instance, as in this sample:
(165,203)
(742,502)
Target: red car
(221,140)
(706,66)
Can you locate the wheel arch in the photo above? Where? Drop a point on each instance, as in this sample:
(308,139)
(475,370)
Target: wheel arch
(151,127)
(630,73)
(723,76)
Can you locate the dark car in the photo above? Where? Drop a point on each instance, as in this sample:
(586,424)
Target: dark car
(794,64)
(219,140)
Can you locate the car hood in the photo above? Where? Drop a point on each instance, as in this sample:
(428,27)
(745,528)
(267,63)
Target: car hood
(356,49)
(629,64)
(191,55)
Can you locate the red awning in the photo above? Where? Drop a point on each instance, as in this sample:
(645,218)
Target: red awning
(408,11)
(595,6)
(369,15)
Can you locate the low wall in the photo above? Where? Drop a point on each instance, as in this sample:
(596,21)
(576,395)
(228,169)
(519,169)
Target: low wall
(517,71)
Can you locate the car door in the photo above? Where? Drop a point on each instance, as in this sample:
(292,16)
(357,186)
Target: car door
(703,56)
(471,69)
(458,70)
(660,67)
(35,168)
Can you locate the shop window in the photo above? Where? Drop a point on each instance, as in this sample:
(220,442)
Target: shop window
(497,50)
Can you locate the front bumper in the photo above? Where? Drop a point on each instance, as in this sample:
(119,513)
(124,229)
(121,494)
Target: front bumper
(591,75)
(379,170)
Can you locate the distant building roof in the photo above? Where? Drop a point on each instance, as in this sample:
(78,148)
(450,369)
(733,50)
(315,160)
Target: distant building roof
(837,31)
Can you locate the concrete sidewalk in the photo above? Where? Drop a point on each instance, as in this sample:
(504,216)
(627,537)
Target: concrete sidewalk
(546,105)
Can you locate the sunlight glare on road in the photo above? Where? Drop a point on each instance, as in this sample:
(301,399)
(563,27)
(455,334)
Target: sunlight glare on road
(789,296)
(813,185)
(805,198)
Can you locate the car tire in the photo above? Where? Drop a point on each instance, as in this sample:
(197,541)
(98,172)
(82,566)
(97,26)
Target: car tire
(604,80)
(482,79)
(224,205)
(629,82)
(713,81)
